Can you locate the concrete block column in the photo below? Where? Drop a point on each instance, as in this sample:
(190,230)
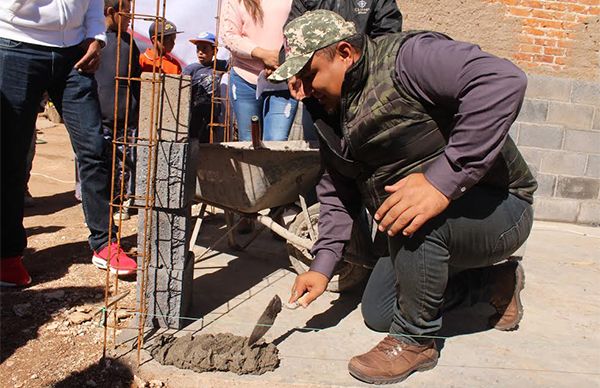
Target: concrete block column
(166,156)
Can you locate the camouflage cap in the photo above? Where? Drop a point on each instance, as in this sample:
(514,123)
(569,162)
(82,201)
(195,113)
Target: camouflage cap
(308,33)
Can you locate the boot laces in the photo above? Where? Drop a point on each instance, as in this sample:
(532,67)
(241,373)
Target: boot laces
(390,346)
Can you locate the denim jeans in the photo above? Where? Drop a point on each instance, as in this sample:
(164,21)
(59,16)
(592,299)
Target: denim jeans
(26,71)
(447,263)
(275,109)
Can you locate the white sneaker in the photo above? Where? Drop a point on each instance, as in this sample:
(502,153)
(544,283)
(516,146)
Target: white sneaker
(124,213)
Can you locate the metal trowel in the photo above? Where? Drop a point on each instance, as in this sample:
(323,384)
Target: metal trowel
(266,320)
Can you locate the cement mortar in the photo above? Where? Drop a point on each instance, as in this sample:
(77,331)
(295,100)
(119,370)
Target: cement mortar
(218,352)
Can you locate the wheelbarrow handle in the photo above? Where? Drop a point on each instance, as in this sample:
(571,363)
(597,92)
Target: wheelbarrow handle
(283,232)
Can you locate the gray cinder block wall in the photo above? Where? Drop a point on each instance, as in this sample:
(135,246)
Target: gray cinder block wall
(558,133)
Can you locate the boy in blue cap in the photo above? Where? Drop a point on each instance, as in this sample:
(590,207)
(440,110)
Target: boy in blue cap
(202,85)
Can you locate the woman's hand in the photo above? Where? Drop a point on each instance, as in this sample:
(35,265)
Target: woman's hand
(270,58)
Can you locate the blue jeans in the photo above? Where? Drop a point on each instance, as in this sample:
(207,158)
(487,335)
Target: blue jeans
(26,71)
(448,262)
(276,110)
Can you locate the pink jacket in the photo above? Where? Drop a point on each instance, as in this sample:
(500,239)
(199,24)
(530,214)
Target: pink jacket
(240,34)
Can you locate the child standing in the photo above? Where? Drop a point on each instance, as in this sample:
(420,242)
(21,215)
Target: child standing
(165,42)
(126,125)
(202,85)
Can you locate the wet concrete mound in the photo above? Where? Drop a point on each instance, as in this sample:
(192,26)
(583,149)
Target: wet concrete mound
(215,352)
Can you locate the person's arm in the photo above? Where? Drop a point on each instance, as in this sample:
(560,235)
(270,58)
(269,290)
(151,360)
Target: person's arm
(94,21)
(385,19)
(241,45)
(338,199)
(11,8)
(95,37)
(485,91)
(339,204)
(231,27)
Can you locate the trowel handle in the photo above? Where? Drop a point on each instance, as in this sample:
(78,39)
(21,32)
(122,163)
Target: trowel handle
(291,306)
(296,304)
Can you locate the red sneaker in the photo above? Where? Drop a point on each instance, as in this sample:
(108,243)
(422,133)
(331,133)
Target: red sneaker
(13,273)
(120,263)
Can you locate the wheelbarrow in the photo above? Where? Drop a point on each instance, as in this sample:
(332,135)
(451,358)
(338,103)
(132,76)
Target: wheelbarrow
(243,178)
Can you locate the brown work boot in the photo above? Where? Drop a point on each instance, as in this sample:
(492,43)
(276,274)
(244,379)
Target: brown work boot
(392,361)
(507,282)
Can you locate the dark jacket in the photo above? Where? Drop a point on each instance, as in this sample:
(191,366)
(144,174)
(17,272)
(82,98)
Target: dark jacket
(372,17)
(105,76)
(390,134)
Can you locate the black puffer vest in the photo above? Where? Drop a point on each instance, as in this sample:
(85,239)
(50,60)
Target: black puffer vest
(390,135)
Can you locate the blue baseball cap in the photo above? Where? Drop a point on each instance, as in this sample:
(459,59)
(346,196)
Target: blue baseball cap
(204,37)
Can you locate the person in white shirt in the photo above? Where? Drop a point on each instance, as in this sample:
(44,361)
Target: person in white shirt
(53,45)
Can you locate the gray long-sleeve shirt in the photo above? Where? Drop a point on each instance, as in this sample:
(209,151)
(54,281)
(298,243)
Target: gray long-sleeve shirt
(482,93)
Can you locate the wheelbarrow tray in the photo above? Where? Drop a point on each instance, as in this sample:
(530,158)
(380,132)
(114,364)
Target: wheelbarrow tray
(234,175)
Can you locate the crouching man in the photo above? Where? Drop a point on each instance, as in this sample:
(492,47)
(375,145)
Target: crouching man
(414,126)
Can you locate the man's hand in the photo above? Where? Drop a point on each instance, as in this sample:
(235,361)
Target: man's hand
(413,202)
(296,88)
(312,282)
(91,59)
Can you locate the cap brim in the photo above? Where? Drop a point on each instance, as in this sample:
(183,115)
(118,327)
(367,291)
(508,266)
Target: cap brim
(290,67)
(167,34)
(194,41)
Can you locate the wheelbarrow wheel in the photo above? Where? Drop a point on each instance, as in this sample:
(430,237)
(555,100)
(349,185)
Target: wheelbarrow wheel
(346,276)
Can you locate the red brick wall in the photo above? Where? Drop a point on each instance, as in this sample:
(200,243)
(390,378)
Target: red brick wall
(549,29)
(553,37)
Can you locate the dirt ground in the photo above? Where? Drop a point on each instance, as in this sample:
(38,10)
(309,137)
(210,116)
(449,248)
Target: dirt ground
(49,333)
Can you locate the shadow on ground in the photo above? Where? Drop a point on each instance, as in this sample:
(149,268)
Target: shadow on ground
(52,204)
(23,312)
(53,262)
(463,321)
(236,277)
(105,373)
(35,230)
(340,308)
(242,273)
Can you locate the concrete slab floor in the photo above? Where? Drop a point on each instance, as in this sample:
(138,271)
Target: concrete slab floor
(557,344)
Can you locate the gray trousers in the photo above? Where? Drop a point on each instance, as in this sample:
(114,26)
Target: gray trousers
(446,263)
